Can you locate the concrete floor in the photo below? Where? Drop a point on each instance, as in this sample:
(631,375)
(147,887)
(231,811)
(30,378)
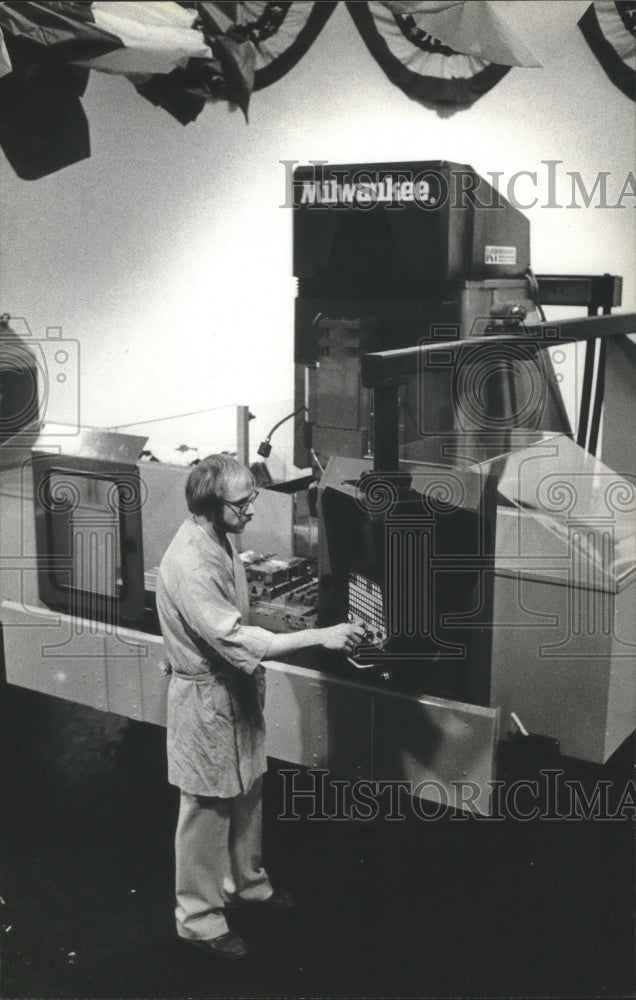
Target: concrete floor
(385,909)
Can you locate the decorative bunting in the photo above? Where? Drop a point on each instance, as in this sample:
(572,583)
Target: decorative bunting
(178,55)
(226,73)
(472,29)
(610,31)
(256,42)
(43,127)
(281,34)
(417,61)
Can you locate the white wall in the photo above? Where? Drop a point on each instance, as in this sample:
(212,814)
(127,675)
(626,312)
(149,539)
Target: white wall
(167,256)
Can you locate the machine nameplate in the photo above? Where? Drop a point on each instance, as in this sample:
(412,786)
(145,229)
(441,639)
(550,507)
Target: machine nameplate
(500,255)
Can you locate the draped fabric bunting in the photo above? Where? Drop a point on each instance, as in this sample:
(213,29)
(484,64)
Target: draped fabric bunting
(182,55)
(257,44)
(178,55)
(610,31)
(442,52)
(471,27)
(283,39)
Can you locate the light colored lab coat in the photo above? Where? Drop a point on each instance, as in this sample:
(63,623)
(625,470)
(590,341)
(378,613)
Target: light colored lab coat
(216,731)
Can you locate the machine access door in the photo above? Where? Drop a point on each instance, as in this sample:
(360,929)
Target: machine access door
(88,501)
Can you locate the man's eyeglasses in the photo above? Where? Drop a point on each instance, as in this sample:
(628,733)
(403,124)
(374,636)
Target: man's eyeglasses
(240,506)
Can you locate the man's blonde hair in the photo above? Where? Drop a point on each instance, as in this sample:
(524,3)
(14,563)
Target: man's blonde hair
(209,481)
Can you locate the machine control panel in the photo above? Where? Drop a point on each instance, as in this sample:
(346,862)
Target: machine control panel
(366,608)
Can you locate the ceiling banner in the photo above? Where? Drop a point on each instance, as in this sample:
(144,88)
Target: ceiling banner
(281,34)
(179,56)
(255,44)
(610,31)
(446,53)
(483,29)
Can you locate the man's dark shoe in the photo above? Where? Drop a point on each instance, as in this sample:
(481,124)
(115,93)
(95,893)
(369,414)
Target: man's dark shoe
(229,946)
(280,899)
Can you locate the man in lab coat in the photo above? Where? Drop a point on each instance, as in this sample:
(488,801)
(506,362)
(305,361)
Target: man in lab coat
(216,731)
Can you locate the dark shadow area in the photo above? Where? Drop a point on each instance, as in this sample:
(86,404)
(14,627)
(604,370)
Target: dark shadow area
(405,908)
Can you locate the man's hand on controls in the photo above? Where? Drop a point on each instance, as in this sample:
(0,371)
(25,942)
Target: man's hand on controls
(342,638)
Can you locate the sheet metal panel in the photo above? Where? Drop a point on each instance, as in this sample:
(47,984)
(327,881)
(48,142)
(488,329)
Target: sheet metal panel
(313,719)
(444,750)
(436,745)
(85,662)
(295,716)
(350,724)
(154,680)
(563,660)
(137,684)
(123,675)
(621,701)
(92,443)
(316,721)
(18,560)
(48,653)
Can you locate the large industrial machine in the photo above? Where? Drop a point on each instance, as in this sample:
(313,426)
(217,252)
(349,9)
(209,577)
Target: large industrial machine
(386,256)
(459,503)
(466,520)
